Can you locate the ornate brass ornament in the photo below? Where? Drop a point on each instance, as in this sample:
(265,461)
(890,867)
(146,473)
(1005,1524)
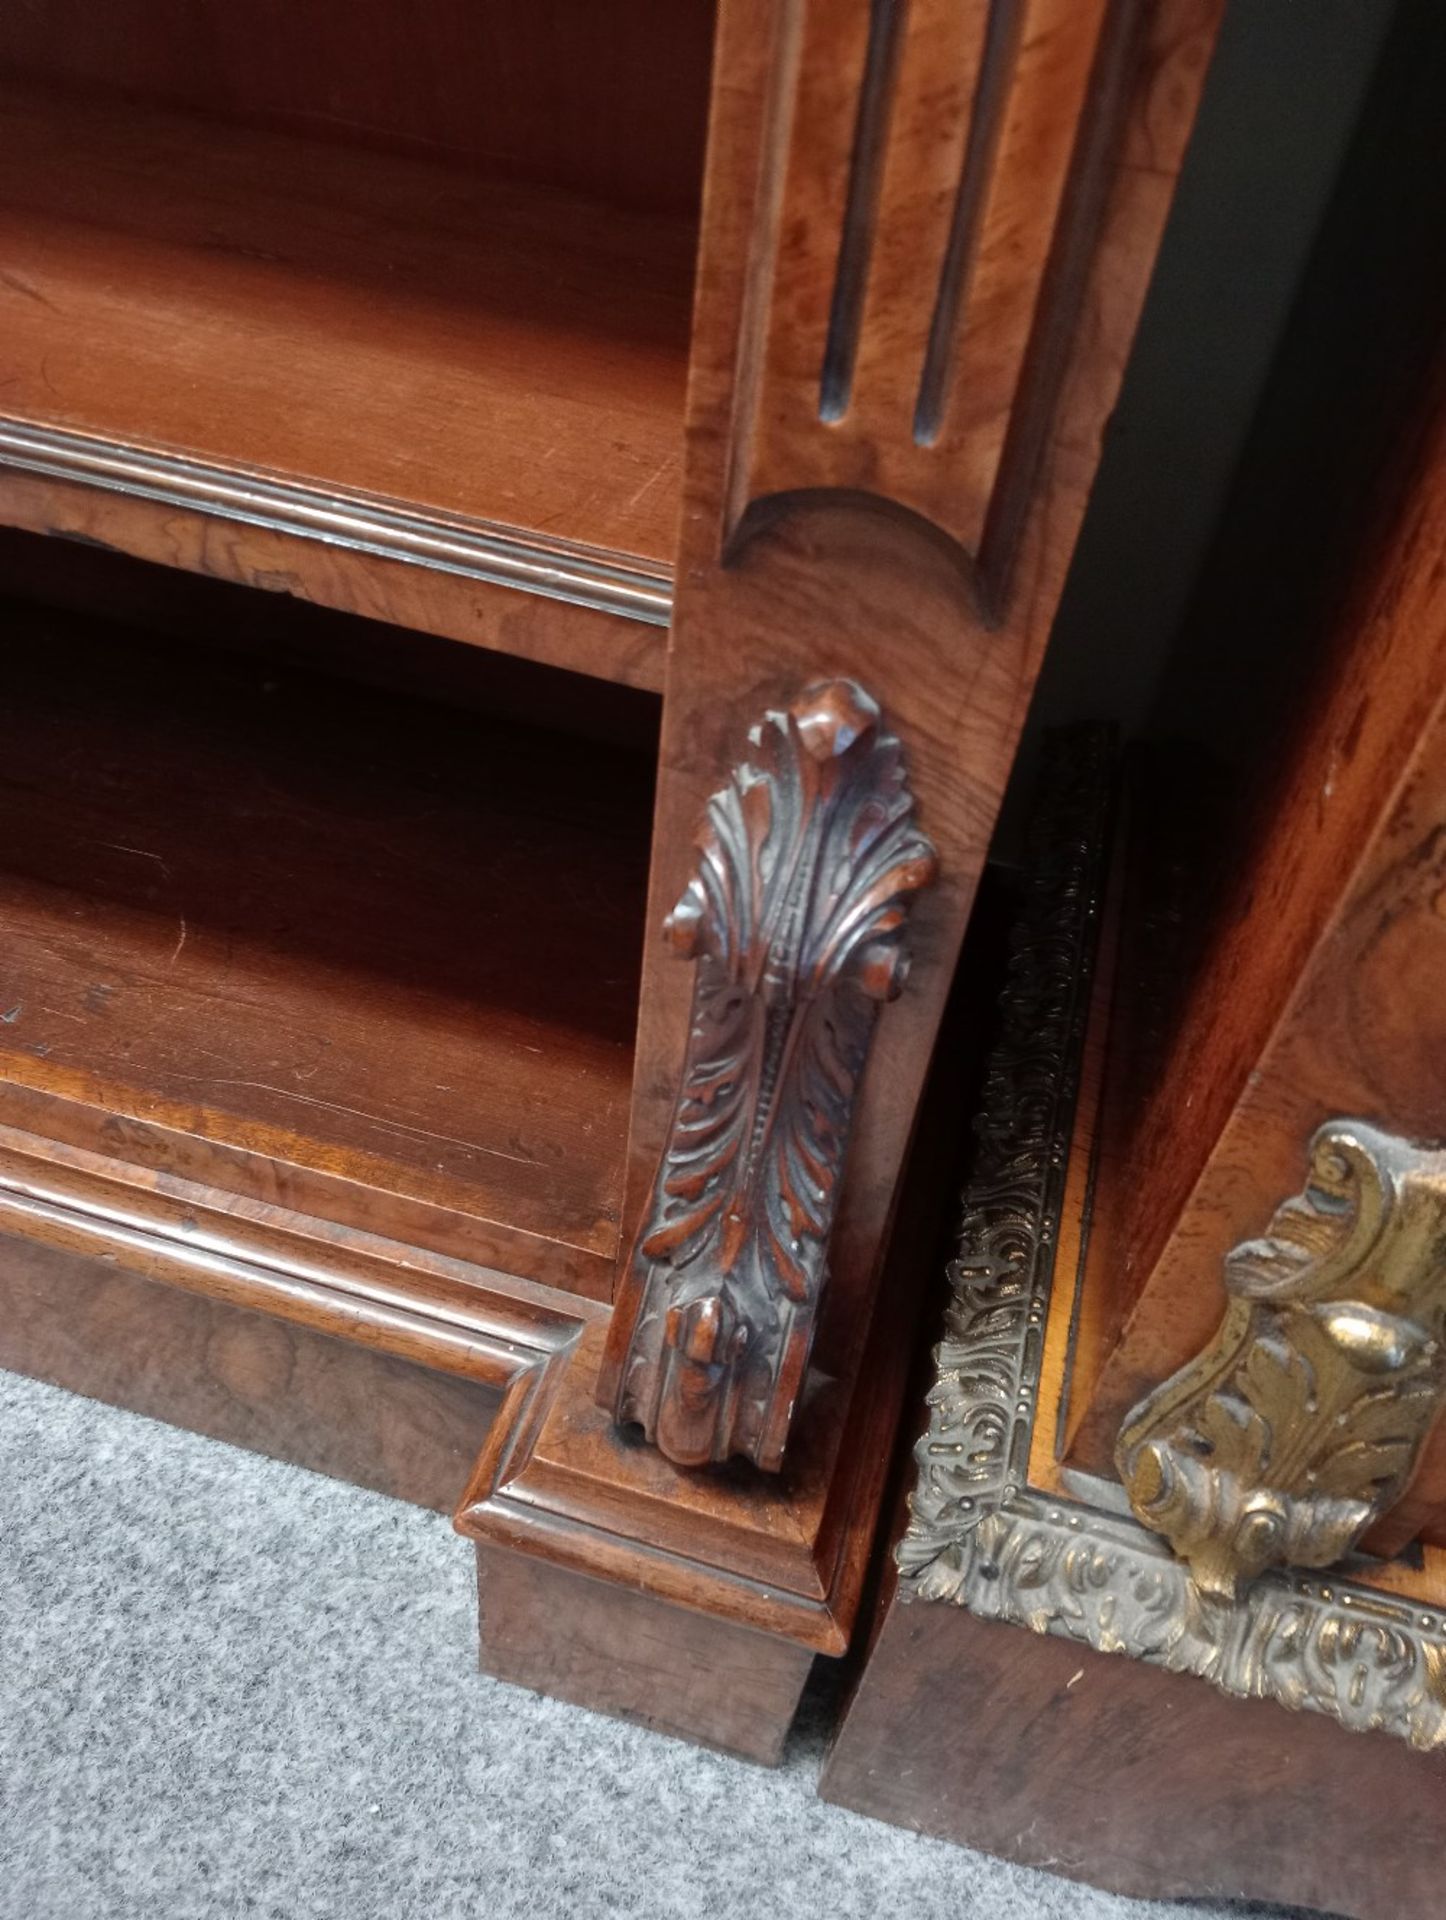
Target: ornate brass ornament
(974,1455)
(979,1536)
(1302,1421)
(808,860)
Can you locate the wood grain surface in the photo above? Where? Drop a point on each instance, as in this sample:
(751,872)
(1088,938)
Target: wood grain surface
(619,1650)
(435,337)
(244,1319)
(83,1322)
(843,584)
(531,627)
(1148,1783)
(320,942)
(610,101)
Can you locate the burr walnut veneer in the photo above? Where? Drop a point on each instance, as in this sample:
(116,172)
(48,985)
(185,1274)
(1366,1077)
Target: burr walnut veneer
(481,485)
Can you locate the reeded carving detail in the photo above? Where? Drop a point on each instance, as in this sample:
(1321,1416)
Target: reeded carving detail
(808,861)
(1302,1421)
(979,1536)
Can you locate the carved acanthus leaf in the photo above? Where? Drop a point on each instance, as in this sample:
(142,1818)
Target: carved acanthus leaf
(807,862)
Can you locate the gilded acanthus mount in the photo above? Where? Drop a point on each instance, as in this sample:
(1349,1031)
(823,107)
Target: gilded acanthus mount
(1302,1420)
(980,1537)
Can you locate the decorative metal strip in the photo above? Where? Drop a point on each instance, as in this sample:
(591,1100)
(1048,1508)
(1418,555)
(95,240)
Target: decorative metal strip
(474,549)
(976,1449)
(978,1536)
(1372,1661)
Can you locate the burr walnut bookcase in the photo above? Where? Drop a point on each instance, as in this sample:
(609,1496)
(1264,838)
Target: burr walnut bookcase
(481,485)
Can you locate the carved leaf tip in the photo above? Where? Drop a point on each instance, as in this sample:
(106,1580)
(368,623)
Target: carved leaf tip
(832,716)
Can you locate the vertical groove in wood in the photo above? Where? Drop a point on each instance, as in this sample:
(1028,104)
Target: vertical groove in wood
(918,220)
(754,328)
(991,94)
(866,169)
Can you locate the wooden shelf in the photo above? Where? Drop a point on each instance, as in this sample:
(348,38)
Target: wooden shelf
(325,944)
(402,357)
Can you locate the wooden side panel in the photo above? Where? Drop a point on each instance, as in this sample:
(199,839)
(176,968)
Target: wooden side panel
(623,1651)
(1320,998)
(833,580)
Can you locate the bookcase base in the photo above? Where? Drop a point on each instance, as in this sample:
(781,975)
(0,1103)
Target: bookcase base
(1144,1782)
(639,1658)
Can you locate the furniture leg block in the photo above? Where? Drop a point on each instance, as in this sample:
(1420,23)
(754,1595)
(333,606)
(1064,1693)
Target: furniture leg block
(630,1654)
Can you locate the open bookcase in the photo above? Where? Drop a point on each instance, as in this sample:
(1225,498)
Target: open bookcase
(439,449)
(419,289)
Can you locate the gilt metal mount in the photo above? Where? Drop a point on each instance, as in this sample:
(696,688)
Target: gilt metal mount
(1076,1564)
(808,860)
(1302,1421)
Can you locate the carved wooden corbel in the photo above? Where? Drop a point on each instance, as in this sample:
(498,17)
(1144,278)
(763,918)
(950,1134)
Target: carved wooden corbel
(808,859)
(1302,1421)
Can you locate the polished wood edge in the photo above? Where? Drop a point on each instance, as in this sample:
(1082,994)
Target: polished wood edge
(78,1113)
(611,1516)
(1069,1560)
(793,1564)
(555,569)
(441,1313)
(1119,70)
(781,1561)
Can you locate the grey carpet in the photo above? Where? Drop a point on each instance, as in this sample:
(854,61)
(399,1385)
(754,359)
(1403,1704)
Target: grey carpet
(229,1687)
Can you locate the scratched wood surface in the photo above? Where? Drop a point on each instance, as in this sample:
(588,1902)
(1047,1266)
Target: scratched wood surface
(484,346)
(1148,1783)
(321,939)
